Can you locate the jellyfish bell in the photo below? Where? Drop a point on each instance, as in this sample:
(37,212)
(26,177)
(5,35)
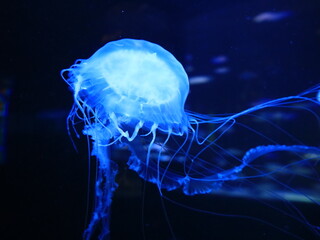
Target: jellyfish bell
(133,80)
(132,92)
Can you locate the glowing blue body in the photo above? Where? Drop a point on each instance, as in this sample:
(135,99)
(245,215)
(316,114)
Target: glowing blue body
(133,92)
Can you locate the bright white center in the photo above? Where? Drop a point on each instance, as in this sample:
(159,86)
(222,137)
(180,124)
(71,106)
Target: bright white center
(140,75)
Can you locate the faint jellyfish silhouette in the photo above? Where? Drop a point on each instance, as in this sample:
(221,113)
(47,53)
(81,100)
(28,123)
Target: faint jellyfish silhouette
(132,92)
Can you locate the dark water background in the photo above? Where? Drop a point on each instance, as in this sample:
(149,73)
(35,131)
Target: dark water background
(44,180)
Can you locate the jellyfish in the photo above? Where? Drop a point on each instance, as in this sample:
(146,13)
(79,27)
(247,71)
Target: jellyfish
(132,93)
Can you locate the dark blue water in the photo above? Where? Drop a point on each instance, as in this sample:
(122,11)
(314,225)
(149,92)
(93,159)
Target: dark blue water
(245,53)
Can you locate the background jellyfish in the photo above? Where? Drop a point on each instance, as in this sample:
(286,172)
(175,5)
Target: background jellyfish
(131,93)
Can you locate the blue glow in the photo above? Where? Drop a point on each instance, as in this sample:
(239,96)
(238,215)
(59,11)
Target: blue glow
(133,92)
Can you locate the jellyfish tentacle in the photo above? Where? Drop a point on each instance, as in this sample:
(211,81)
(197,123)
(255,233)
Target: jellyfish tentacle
(135,132)
(105,186)
(256,152)
(193,185)
(159,180)
(153,131)
(114,120)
